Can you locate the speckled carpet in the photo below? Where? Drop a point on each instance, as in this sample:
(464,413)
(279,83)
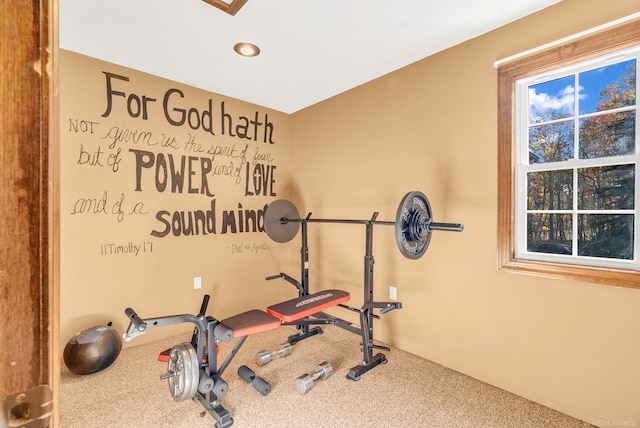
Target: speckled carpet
(406,392)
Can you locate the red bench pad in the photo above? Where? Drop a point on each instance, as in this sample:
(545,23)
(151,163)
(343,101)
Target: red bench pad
(251,322)
(295,309)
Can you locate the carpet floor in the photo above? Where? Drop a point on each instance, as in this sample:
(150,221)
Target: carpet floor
(407,391)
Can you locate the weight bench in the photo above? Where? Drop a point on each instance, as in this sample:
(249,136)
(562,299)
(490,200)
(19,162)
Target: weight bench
(257,321)
(193,371)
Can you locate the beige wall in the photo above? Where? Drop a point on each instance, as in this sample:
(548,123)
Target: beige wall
(432,127)
(110,258)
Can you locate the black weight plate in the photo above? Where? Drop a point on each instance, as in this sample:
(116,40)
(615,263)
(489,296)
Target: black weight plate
(413,236)
(275,223)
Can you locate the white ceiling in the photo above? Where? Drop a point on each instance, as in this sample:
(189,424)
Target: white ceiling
(311,50)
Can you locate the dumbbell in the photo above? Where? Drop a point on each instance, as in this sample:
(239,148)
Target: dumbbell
(305,383)
(249,376)
(265,357)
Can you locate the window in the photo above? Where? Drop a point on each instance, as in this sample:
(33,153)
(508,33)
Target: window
(569,159)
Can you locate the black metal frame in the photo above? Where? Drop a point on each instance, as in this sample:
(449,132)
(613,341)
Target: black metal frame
(207,356)
(366,311)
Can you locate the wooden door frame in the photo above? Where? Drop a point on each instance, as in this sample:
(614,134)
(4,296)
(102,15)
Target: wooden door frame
(29,261)
(53,178)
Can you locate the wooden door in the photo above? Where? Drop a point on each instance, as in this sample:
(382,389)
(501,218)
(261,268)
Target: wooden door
(27,330)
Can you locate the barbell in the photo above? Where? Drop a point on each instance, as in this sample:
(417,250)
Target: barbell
(413,225)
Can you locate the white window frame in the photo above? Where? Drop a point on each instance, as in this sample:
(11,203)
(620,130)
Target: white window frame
(522,165)
(593,47)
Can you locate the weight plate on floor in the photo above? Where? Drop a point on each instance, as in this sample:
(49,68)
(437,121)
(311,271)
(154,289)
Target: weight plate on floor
(275,220)
(184,372)
(412,225)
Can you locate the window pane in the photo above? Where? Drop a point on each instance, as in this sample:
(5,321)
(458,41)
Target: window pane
(549,233)
(606,88)
(550,190)
(551,143)
(551,100)
(611,134)
(606,188)
(609,236)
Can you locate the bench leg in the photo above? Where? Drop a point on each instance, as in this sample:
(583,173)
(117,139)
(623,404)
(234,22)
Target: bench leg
(295,338)
(359,370)
(220,414)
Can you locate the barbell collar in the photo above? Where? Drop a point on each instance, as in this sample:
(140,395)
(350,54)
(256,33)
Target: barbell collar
(447,227)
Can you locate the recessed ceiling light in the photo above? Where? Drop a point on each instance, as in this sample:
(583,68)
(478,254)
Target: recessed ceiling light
(246,49)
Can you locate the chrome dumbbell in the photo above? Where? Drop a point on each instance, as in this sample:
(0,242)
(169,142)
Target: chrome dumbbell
(306,382)
(265,357)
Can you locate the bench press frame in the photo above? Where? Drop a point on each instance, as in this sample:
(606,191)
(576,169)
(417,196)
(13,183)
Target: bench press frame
(366,311)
